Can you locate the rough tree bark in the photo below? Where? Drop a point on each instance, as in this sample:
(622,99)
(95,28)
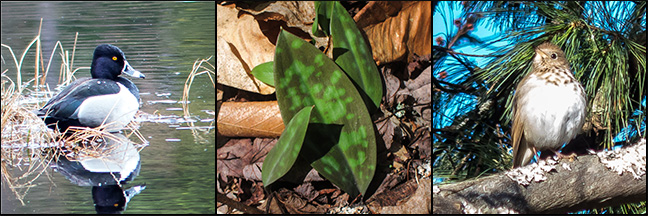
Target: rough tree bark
(563,187)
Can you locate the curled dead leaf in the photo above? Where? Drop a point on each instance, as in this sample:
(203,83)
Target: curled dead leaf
(250,119)
(395,34)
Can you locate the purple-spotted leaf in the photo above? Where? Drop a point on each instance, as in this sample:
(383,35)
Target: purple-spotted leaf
(352,53)
(282,157)
(340,142)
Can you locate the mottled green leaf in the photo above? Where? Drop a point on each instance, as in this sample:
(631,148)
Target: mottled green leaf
(340,139)
(264,73)
(282,157)
(352,53)
(322,18)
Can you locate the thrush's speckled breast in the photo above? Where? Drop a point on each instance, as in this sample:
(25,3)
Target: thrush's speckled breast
(548,107)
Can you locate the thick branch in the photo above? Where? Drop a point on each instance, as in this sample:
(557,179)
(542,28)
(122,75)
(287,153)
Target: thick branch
(587,184)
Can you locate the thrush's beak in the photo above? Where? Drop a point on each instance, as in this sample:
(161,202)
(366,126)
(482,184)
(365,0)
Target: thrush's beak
(541,53)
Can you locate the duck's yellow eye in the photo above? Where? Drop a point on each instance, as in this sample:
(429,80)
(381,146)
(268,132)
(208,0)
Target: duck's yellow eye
(114,58)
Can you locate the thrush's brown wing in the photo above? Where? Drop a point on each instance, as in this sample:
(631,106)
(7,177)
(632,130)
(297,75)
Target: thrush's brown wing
(522,150)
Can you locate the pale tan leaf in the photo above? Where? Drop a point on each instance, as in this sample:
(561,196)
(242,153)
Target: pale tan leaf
(250,119)
(241,46)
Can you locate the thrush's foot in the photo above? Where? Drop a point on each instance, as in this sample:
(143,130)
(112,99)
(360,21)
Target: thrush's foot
(571,156)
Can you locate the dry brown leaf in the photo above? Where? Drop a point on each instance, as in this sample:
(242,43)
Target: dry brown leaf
(307,190)
(421,91)
(298,14)
(408,198)
(246,37)
(397,35)
(296,205)
(257,194)
(392,85)
(295,17)
(386,129)
(250,119)
(252,172)
(418,203)
(229,160)
(242,158)
(241,47)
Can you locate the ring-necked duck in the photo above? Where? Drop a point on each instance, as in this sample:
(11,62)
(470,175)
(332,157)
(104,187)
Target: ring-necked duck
(104,99)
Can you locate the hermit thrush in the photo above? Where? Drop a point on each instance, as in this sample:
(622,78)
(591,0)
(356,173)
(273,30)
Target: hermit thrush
(548,107)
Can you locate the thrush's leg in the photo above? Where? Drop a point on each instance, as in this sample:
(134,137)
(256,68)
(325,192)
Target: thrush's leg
(571,156)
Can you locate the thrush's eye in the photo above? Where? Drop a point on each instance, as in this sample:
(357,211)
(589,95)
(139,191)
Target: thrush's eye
(554,56)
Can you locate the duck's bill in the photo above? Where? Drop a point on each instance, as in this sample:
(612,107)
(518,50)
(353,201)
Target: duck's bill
(128,70)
